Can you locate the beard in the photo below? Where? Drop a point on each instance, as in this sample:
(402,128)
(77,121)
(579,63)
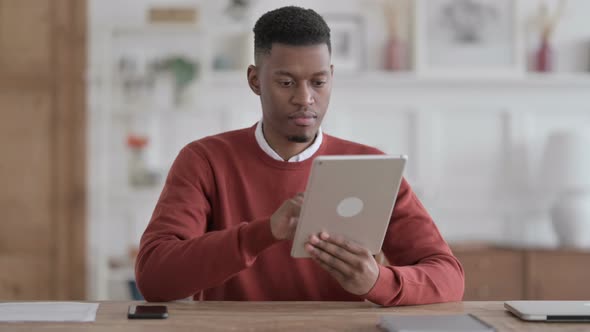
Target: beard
(299,139)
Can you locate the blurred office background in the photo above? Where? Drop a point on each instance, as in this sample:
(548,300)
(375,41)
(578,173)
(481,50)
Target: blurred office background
(490,99)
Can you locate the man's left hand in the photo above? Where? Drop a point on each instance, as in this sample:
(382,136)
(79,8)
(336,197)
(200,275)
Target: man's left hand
(349,263)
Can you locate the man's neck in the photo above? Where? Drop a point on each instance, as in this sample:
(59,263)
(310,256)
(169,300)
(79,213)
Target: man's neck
(285,148)
(290,149)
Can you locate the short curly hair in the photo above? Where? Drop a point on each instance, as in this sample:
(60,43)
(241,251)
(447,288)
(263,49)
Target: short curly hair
(290,25)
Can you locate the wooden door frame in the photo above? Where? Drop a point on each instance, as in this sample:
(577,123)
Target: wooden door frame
(69,60)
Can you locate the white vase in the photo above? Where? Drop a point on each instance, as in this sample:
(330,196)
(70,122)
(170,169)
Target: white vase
(571,219)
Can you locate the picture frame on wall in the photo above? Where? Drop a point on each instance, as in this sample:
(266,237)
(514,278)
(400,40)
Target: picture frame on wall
(347,34)
(468,38)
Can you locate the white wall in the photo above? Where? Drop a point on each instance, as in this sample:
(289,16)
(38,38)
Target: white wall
(474,145)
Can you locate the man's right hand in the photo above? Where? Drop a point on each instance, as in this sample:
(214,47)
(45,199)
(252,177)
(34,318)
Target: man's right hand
(284,221)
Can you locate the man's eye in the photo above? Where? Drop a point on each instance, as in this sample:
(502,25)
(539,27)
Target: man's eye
(319,83)
(286,83)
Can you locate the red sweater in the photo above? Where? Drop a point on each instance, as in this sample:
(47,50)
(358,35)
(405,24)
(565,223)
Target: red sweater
(209,236)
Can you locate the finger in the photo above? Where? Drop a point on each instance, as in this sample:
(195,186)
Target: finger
(297,201)
(326,258)
(333,271)
(295,210)
(292,226)
(337,251)
(293,207)
(341,242)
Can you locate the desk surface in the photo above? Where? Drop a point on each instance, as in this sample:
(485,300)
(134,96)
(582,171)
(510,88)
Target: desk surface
(284,316)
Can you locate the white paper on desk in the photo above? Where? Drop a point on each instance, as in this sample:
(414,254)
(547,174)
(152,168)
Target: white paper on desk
(48,312)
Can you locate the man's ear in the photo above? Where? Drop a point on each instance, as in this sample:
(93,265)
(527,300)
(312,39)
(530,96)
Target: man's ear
(253,80)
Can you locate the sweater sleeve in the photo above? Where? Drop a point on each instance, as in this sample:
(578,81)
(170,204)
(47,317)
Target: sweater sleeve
(423,269)
(178,257)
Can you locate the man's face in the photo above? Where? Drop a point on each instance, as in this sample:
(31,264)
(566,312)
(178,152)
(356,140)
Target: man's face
(294,84)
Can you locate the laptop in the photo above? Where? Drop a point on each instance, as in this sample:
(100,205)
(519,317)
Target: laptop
(550,311)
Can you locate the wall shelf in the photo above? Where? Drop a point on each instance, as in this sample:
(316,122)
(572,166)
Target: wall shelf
(408,79)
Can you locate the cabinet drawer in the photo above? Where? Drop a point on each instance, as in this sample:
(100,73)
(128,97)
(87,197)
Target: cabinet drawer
(558,275)
(492,274)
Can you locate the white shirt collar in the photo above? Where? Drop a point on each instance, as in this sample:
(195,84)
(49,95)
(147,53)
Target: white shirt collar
(305,154)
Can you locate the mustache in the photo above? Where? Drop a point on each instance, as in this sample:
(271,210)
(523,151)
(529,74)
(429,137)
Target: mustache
(303,114)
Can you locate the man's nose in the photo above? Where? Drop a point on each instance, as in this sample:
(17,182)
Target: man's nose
(303,95)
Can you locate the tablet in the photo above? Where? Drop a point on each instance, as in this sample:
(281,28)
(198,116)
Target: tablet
(438,323)
(352,196)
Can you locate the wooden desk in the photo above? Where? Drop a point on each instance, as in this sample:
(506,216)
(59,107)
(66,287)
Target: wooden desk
(284,316)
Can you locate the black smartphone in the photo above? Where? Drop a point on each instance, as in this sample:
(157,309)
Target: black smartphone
(147,312)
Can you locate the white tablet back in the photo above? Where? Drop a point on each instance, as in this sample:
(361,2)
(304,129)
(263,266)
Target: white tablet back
(352,196)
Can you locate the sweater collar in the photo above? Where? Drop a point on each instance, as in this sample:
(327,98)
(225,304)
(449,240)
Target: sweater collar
(305,154)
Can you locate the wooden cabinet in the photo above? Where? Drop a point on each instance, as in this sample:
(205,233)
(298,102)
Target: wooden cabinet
(43,148)
(497,274)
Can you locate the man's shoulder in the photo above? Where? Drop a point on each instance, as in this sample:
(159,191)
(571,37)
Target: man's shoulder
(338,145)
(224,141)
